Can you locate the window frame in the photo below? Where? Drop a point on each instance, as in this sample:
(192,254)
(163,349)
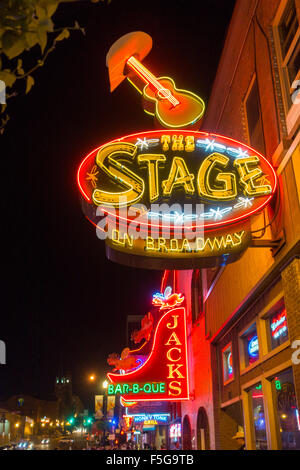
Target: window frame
(263,320)
(292,110)
(231,379)
(245,100)
(244,368)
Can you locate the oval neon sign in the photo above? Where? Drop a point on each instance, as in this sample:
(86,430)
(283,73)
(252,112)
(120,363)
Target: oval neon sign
(199,188)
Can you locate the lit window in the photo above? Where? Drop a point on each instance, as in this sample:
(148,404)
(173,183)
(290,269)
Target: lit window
(287,42)
(227,364)
(259,417)
(288,415)
(250,346)
(278,327)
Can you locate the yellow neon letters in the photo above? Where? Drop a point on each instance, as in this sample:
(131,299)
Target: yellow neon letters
(179,176)
(212,181)
(120,173)
(152,162)
(228,180)
(247,176)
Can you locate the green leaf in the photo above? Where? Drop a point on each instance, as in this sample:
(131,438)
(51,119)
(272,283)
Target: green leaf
(63,35)
(42,39)
(51,9)
(45,24)
(20,69)
(29,83)
(40,11)
(8,77)
(31,39)
(16,49)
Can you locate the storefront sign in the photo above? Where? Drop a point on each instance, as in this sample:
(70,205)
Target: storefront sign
(175,431)
(150,418)
(164,198)
(279,325)
(164,375)
(253,347)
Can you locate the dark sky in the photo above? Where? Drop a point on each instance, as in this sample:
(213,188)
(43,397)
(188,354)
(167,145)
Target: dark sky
(62,301)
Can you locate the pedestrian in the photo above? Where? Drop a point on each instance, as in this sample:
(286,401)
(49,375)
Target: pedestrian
(240,439)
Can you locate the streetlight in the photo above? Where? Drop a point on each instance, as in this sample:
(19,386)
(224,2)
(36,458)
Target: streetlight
(92,378)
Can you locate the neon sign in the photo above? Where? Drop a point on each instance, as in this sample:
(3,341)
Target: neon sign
(174,195)
(164,374)
(149,418)
(171,107)
(253,347)
(229,364)
(175,431)
(279,325)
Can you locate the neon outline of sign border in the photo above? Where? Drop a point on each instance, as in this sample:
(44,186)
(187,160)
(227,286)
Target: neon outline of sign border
(110,374)
(182,131)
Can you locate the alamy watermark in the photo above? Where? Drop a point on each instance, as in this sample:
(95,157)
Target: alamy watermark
(2,92)
(296,354)
(2,352)
(138,221)
(296,94)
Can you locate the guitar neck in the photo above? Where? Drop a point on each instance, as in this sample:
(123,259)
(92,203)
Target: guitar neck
(150,79)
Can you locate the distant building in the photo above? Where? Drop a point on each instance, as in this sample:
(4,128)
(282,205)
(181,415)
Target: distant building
(68,404)
(22,416)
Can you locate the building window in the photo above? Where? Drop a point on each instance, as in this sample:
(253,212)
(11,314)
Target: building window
(254,120)
(227,364)
(278,326)
(287,45)
(288,414)
(249,346)
(259,421)
(289,42)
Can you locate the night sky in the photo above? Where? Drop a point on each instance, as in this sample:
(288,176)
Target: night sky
(62,302)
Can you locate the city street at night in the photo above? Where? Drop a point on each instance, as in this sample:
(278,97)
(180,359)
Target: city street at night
(151,229)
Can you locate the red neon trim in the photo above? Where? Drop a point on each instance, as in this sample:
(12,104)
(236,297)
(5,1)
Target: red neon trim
(201,134)
(163,286)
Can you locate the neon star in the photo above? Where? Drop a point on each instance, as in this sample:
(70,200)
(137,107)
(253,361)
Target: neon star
(244,202)
(141,143)
(216,214)
(210,145)
(92,176)
(237,153)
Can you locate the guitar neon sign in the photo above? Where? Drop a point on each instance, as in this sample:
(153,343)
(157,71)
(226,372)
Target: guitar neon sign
(173,108)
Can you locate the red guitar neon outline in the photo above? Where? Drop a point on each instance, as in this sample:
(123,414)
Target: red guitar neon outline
(150,79)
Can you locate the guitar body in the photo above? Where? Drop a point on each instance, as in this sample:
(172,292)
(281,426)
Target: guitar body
(188,112)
